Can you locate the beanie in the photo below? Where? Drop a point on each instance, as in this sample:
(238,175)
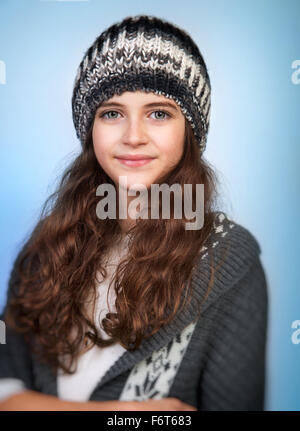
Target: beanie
(143,53)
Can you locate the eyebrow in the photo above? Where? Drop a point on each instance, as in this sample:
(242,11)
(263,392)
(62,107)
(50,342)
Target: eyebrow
(149,105)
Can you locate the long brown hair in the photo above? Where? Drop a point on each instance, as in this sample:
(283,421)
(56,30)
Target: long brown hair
(58,268)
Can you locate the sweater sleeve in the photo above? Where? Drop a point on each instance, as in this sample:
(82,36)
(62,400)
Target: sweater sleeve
(233,377)
(15,357)
(10,387)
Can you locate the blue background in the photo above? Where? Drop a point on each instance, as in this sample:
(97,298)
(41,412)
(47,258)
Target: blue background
(249,48)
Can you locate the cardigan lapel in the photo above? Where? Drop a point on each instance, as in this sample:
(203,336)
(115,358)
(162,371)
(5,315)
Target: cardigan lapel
(234,268)
(46,381)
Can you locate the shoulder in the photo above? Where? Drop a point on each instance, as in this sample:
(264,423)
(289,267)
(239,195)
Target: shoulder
(228,233)
(231,243)
(230,258)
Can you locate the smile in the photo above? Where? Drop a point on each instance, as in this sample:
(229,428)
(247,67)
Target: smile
(135,163)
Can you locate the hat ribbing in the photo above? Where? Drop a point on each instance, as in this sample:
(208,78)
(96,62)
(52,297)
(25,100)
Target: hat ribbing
(149,54)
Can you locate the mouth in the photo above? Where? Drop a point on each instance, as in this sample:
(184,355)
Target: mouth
(134,160)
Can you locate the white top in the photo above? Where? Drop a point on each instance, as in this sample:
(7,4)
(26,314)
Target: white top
(93,364)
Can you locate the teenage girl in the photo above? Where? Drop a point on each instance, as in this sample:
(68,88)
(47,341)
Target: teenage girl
(107,312)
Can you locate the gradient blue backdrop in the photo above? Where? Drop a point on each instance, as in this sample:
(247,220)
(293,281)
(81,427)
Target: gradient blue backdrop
(249,48)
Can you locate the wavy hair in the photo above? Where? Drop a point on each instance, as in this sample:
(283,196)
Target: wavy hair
(58,268)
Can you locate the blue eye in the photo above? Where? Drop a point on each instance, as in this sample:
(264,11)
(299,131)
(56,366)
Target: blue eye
(161,112)
(165,114)
(108,112)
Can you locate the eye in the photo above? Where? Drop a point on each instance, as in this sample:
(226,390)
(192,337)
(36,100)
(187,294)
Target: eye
(161,112)
(109,112)
(160,117)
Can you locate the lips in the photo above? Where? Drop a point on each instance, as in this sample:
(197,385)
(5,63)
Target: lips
(135,162)
(134,157)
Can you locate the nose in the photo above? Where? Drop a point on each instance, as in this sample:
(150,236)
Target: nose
(135,133)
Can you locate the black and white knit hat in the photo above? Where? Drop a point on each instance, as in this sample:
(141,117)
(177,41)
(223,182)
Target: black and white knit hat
(149,54)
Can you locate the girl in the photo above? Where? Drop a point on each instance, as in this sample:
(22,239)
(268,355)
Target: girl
(136,313)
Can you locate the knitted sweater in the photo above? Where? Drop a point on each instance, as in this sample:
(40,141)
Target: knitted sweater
(215,361)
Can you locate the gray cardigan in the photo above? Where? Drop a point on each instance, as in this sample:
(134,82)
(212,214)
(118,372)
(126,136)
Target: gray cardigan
(213,362)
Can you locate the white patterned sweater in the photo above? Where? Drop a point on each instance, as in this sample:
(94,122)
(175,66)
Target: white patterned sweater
(218,356)
(93,364)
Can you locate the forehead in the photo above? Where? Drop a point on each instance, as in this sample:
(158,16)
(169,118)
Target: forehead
(140,98)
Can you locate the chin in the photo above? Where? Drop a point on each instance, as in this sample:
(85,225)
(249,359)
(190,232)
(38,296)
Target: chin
(136,186)
(135,182)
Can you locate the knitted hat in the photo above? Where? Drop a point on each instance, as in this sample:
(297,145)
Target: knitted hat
(148,54)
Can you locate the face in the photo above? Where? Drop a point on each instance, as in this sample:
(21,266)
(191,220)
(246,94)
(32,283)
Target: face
(138,124)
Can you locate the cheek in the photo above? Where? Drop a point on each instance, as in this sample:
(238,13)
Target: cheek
(101,144)
(173,146)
